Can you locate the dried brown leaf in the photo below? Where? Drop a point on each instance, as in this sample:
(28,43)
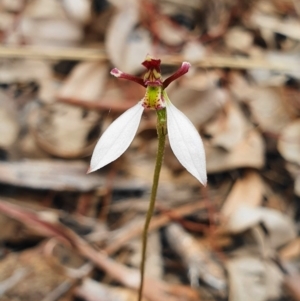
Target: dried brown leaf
(281,228)
(86,81)
(247,191)
(79,10)
(9,125)
(49,174)
(228,128)
(252,278)
(63,130)
(268,109)
(248,153)
(125,45)
(289,27)
(197,258)
(92,290)
(289,142)
(44,22)
(238,39)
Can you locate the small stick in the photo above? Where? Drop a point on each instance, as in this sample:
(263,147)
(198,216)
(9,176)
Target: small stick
(157,222)
(86,54)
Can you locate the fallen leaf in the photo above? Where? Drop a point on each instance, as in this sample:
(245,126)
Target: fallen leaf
(289,142)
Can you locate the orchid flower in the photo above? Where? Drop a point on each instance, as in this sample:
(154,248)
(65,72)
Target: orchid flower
(184,139)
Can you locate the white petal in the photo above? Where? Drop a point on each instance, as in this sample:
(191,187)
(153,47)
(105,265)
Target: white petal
(117,138)
(186,143)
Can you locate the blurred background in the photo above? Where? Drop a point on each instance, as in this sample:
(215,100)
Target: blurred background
(69,236)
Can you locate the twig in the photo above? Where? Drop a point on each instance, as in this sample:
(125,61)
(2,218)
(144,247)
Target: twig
(13,280)
(87,54)
(58,291)
(97,105)
(154,290)
(157,222)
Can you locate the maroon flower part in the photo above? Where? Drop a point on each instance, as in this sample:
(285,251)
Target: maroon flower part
(181,71)
(153,76)
(117,73)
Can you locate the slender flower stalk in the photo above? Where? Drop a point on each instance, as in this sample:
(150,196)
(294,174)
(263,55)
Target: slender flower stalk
(183,136)
(161,128)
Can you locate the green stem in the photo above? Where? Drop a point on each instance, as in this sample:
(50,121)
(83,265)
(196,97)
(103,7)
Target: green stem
(161,133)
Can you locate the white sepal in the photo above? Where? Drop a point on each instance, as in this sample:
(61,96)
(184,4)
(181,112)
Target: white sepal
(117,138)
(186,143)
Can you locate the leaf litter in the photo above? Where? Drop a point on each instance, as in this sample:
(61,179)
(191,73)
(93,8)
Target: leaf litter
(69,236)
